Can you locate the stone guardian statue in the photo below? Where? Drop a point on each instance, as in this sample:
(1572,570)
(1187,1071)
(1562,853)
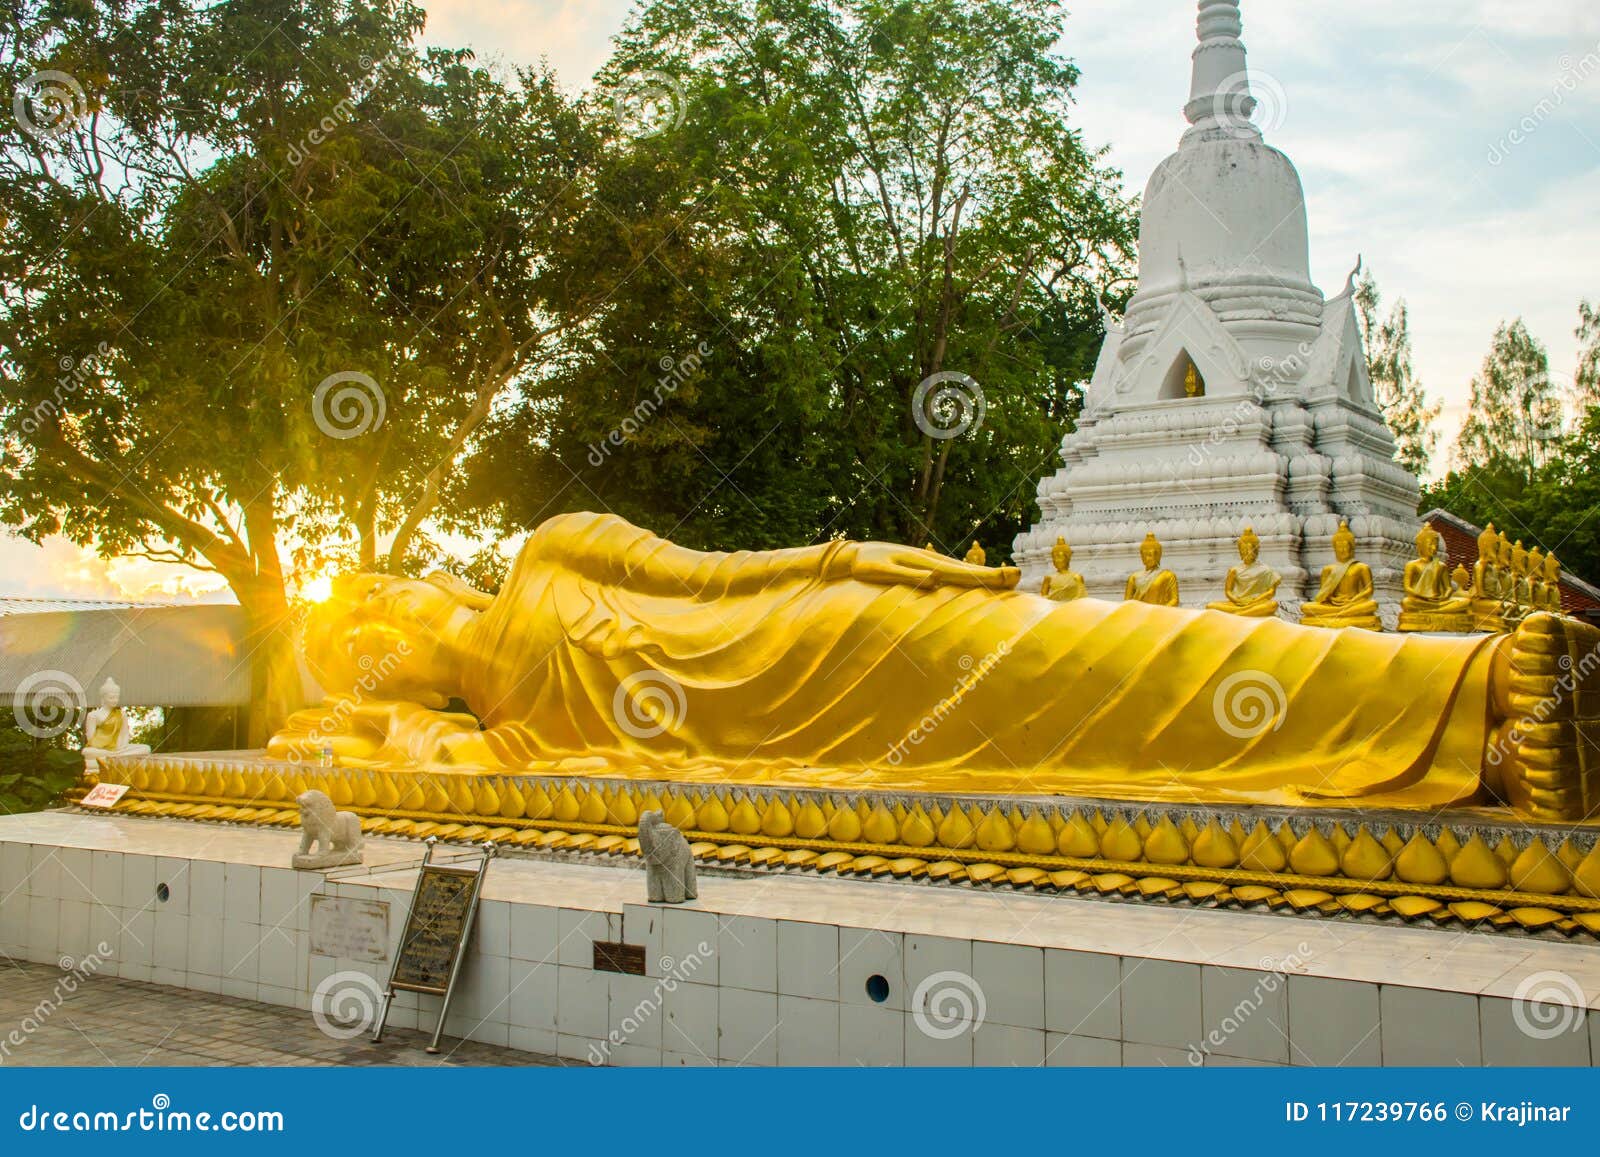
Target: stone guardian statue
(668,864)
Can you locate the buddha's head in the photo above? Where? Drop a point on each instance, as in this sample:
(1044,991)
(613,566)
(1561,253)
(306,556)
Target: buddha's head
(1552,569)
(1427,543)
(391,638)
(1519,558)
(1536,563)
(1344,543)
(1061,555)
(1150,551)
(1505,551)
(1489,544)
(110,694)
(1249,546)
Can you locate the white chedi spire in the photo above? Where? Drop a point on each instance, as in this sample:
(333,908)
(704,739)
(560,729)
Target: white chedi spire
(1220,103)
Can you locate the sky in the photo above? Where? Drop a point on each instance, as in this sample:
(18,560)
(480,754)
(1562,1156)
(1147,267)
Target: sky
(1454,144)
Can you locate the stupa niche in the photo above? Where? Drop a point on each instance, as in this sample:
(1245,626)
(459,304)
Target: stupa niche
(1232,394)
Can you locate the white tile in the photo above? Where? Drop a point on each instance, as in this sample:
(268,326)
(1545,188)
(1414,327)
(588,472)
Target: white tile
(532,1001)
(44,873)
(72,931)
(13,921)
(493,929)
(273,994)
(591,1050)
(207,889)
(174,874)
(44,928)
(532,1040)
(76,874)
(1533,1035)
(136,944)
(643,925)
(945,1044)
(281,899)
(1334,1022)
(1065,1050)
(747,1026)
(241,952)
(808,961)
(691,1023)
(14,868)
(205,946)
(808,1030)
(482,987)
(1160,1003)
(1244,1013)
(1425,1027)
(689,934)
(631,1056)
(138,882)
(139,972)
(578,930)
(1004,1045)
(687,1061)
(871,1034)
(241,893)
(1156,1056)
(583,1002)
(865,953)
(1083,994)
(637,1012)
(105,884)
(1219,1061)
(279,957)
(242,989)
(534,933)
(1010,978)
(747,953)
(171,942)
(928,956)
(200,982)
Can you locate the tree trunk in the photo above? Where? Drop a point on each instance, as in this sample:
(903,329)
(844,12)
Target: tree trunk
(271,641)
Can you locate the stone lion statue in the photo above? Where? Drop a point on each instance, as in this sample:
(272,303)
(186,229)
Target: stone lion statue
(336,834)
(668,863)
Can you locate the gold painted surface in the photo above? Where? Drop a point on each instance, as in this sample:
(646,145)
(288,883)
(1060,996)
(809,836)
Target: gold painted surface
(1065,584)
(1432,601)
(1252,587)
(1155,584)
(1344,597)
(610,652)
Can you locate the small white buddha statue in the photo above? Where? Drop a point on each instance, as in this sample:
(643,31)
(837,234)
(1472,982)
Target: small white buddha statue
(107,731)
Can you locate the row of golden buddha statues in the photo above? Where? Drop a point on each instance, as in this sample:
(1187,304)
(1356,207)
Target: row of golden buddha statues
(1507,583)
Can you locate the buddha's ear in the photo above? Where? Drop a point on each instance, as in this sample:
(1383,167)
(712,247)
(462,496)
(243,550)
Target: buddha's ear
(467,594)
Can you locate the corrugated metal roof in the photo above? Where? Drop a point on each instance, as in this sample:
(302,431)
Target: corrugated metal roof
(161,656)
(17,605)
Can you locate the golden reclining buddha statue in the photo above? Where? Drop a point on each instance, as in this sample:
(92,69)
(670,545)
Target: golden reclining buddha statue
(610,651)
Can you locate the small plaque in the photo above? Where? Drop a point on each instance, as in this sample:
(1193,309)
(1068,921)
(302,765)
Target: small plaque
(615,956)
(352,929)
(434,930)
(105,795)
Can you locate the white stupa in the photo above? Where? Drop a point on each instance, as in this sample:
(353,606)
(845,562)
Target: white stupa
(1232,393)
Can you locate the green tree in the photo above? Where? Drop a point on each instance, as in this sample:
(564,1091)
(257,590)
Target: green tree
(264,270)
(1586,382)
(1400,395)
(1514,420)
(835,210)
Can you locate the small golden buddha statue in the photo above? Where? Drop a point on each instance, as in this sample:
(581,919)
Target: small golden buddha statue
(1193,386)
(1552,585)
(1066,584)
(1252,588)
(1510,611)
(1344,597)
(1488,584)
(1521,581)
(976,557)
(1432,601)
(1154,584)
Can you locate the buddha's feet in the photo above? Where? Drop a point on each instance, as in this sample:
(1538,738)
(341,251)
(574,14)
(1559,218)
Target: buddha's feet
(1548,745)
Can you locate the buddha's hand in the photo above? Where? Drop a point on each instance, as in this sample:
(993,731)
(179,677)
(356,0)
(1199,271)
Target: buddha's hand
(895,565)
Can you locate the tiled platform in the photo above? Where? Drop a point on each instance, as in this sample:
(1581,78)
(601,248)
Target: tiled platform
(107,1021)
(807,969)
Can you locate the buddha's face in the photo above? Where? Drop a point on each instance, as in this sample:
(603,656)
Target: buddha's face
(1427,547)
(1249,551)
(111,696)
(1150,555)
(1061,555)
(1344,549)
(391,638)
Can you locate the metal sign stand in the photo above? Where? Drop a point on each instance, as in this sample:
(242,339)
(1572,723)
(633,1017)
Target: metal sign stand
(470,917)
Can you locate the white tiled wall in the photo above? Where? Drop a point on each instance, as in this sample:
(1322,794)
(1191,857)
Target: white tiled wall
(745,989)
